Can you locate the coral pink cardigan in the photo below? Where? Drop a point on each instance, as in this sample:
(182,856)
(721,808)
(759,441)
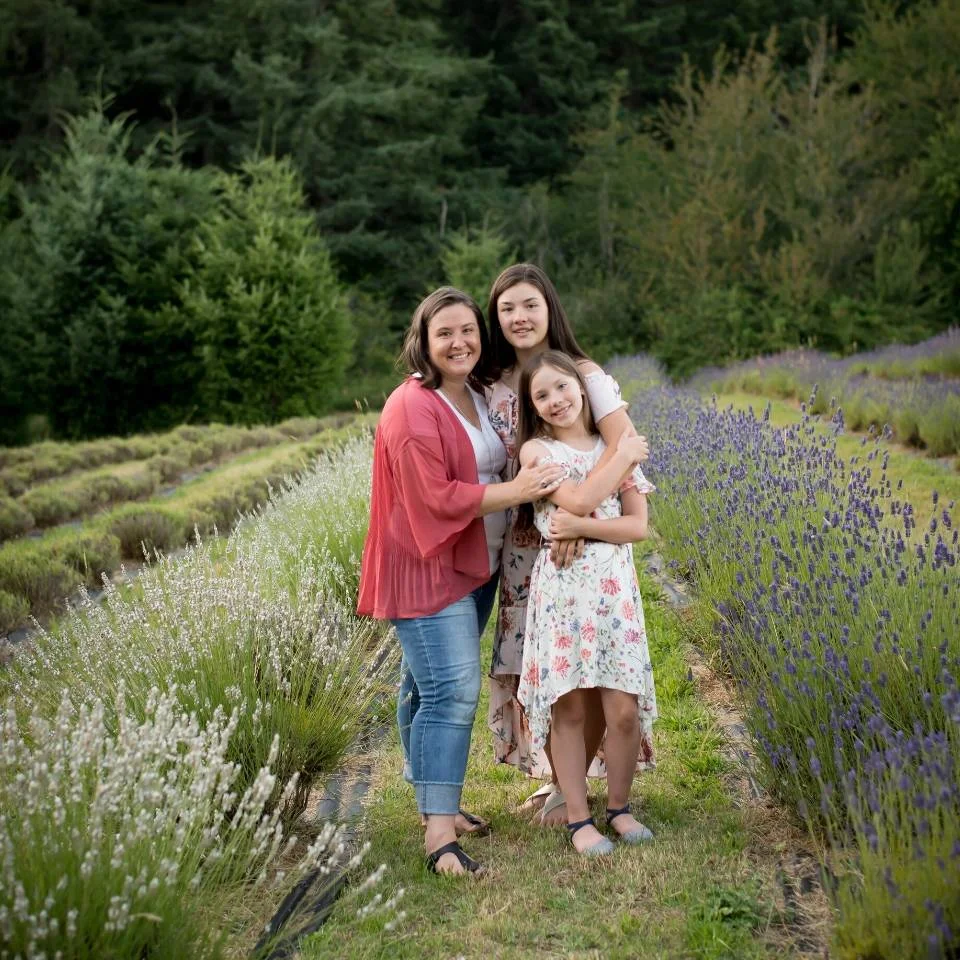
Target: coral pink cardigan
(426,547)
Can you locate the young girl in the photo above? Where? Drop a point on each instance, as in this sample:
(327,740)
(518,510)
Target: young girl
(585,634)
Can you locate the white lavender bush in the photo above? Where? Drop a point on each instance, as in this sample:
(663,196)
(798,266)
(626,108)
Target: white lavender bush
(121,837)
(155,746)
(263,627)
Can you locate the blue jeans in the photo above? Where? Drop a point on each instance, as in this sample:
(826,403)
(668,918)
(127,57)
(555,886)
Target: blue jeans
(439,690)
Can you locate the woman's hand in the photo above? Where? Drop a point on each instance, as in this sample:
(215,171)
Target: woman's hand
(565,526)
(635,448)
(535,481)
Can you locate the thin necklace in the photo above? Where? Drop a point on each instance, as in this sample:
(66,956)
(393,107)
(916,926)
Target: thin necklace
(467,416)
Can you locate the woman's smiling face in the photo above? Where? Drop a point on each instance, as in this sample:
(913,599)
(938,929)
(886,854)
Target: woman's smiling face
(523,315)
(453,341)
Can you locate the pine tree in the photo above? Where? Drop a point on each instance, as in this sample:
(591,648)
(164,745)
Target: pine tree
(98,249)
(263,303)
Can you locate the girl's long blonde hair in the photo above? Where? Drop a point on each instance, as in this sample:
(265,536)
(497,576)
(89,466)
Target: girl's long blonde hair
(530,424)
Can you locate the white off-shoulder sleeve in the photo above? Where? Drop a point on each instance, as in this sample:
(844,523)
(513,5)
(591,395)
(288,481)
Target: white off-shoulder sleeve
(603,393)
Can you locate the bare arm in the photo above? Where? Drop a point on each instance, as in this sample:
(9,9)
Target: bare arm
(614,425)
(584,498)
(629,528)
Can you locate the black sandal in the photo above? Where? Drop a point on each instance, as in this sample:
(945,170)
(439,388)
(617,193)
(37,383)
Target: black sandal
(641,834)
(601,847)
(481,827)
(468,863)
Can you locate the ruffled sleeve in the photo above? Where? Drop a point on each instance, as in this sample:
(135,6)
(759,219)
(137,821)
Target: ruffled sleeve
(603,393)
(638,481)
(438,508)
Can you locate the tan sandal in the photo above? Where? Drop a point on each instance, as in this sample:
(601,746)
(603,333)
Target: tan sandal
(554,802)
(539,797)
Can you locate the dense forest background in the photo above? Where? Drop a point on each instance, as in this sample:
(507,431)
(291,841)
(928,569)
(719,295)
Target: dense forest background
(228,209)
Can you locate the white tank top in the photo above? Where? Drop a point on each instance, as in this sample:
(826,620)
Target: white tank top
(491,459)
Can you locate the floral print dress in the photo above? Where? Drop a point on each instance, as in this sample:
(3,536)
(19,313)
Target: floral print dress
(506,719)
(584,624)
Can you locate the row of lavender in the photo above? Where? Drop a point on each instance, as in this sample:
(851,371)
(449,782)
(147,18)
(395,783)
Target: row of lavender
(837,613)
(157,749)
(915,390)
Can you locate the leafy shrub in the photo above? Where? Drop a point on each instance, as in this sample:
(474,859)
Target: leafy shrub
(939,427)
(90,553)
(188,434)
(168,466)
(141,530)
(299,427)
(42,581)
(14,610)
(198,452)
(53,505)
(265,436)
(15,480)
(14,518)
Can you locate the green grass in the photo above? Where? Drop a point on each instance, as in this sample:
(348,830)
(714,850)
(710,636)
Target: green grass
(705,888)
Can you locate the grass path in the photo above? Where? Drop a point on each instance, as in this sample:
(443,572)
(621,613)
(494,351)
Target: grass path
(707,887)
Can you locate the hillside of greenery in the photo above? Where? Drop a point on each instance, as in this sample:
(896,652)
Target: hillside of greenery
(228,211)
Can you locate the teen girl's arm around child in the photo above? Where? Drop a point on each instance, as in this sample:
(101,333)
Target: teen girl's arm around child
(628,528)
(584,498)
(608,407)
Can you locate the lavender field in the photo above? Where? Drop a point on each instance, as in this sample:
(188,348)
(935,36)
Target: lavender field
(837,615)
(913,390)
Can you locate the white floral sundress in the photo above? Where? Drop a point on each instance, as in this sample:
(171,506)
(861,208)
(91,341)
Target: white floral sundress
(506,719)
(585,625)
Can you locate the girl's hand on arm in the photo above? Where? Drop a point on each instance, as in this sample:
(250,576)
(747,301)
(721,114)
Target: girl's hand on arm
(628,528)
(565,525)
(564,552)
(635,447)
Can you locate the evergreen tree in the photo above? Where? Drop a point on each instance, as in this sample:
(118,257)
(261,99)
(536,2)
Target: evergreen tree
(96,254)
(263,303)
(473,258)
(363,95)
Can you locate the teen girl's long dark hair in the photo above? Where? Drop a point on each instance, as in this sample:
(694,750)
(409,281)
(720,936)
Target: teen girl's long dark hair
(559,331)
(531,425)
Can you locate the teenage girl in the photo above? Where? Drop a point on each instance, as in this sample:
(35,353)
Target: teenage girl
(584,635)
(526,317)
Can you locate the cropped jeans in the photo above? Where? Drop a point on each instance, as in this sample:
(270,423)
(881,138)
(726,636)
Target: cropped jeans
(439,690)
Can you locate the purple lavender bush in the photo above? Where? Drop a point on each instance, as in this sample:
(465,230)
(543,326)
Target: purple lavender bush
(914,390)
(838,616)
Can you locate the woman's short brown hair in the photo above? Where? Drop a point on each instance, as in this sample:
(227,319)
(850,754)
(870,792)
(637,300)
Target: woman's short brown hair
(415,355)
(559,331)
